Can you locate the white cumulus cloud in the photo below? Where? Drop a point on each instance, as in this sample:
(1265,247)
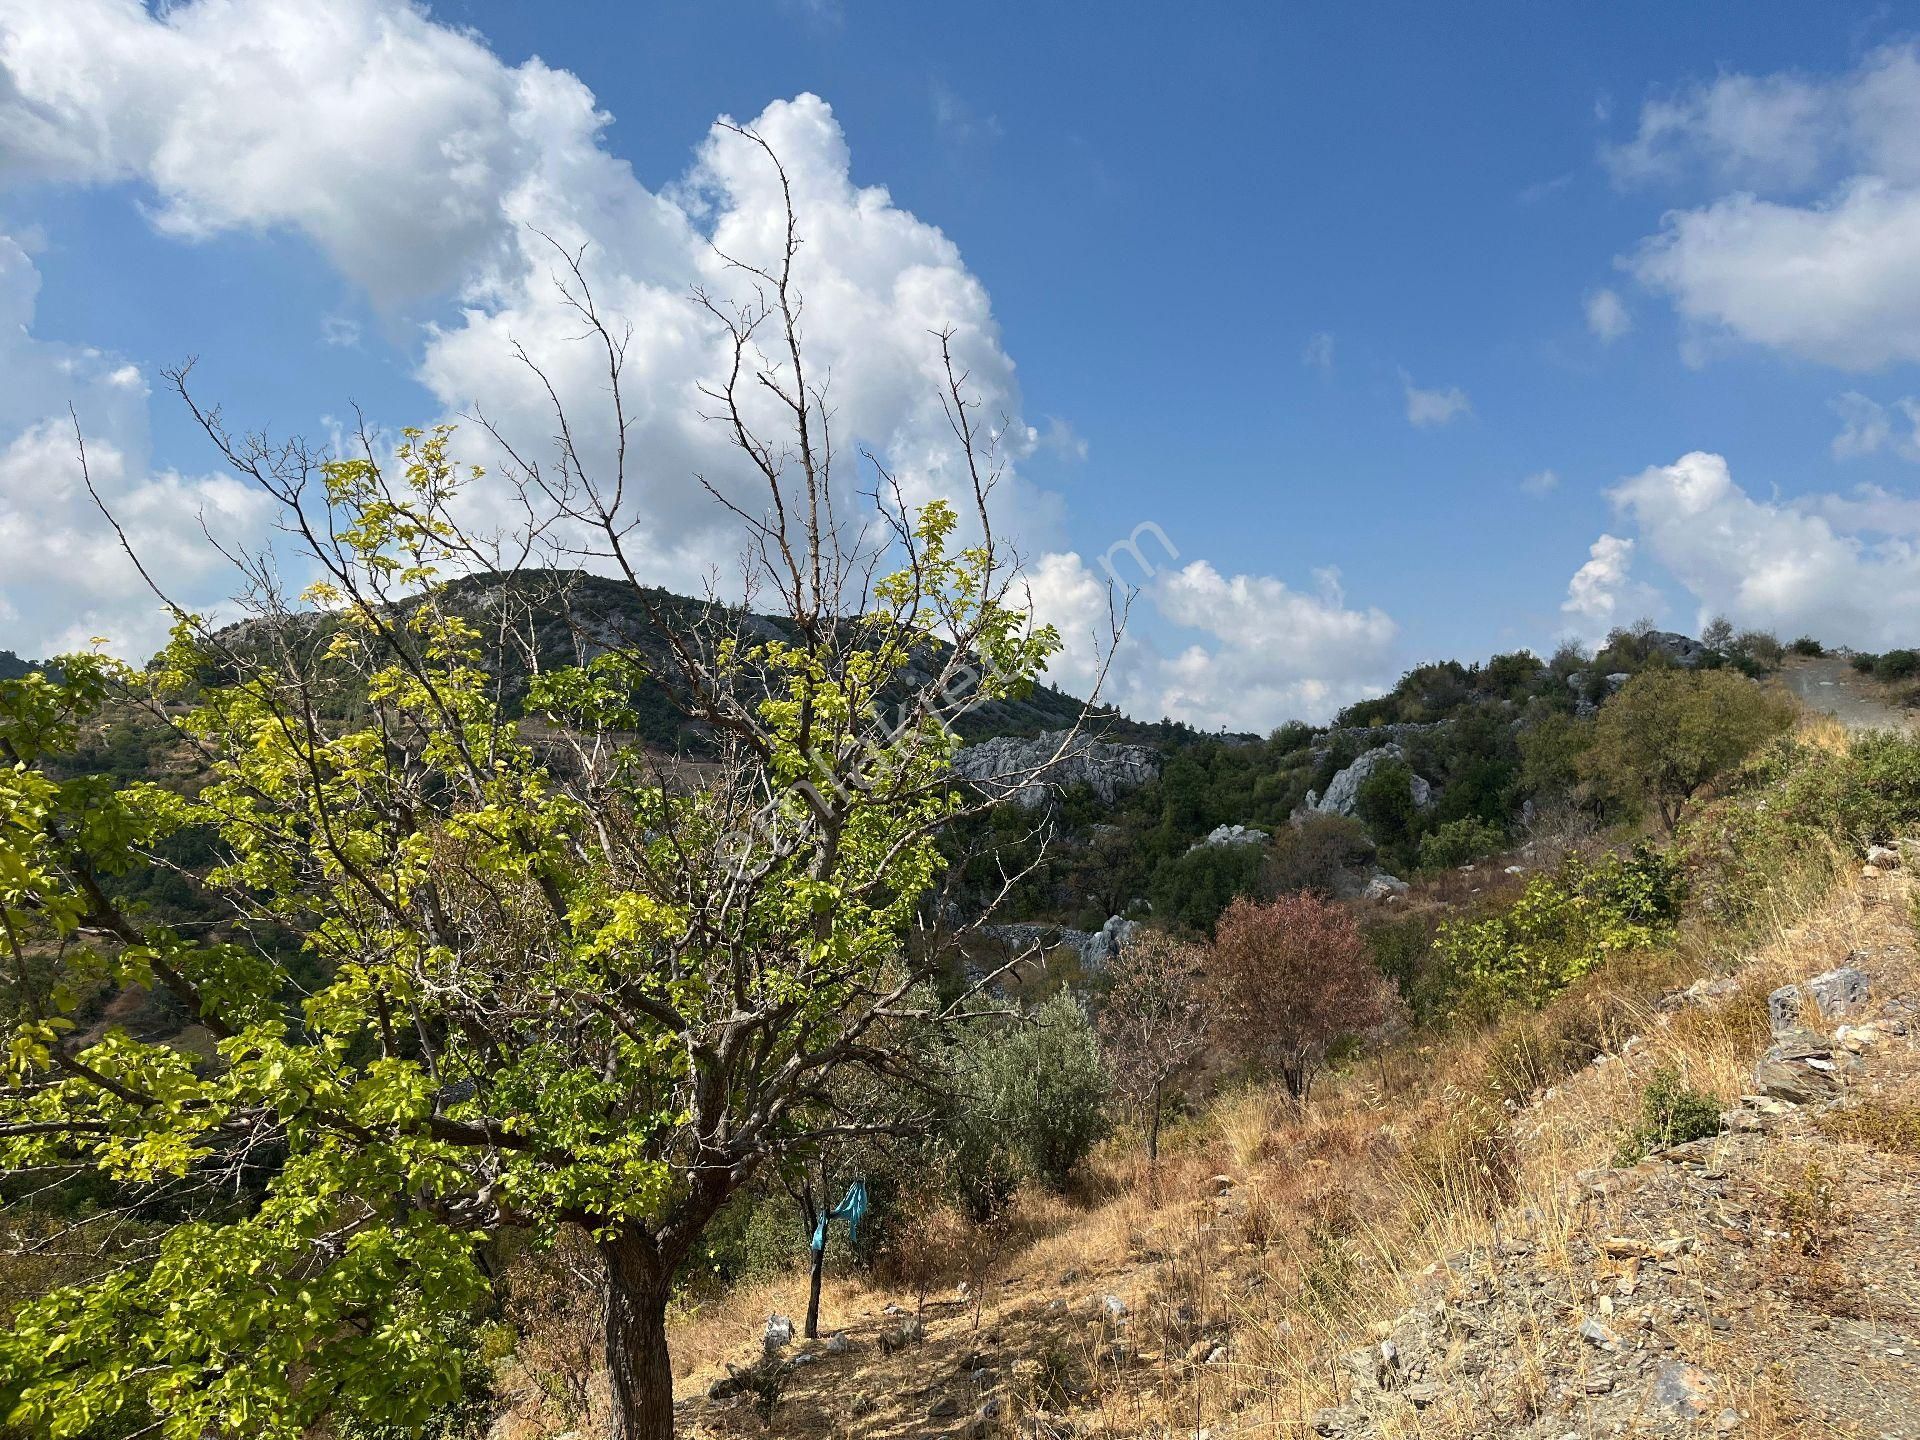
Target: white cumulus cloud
(1245,651)
(63,576)
(1867,427)
(1845,569)
(424,167)
(1603,593)
(1815,248)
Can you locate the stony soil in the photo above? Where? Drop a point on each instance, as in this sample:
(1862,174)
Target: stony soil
(1764,1282)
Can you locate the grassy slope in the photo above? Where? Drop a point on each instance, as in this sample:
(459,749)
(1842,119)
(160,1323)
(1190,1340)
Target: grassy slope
(1286,1239)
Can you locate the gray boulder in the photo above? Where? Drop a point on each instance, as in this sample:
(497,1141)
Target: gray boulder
(1784,1008)
(1108,940)
(778,1334)
(1384,887)
(1343,791)
(1798,1068)
(1232,835)
(1683,650)
(1028,771)
(1840,992)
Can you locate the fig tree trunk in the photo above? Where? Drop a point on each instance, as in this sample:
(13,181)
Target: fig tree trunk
(638,1368)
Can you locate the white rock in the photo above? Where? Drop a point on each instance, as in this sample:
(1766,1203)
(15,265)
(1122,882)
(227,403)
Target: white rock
(778,1334)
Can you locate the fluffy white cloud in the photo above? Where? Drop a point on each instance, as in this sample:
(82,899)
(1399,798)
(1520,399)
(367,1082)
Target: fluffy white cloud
(1259,651)
(1317,353)
(63,576)
(1433,407)
(385,138)
(1603,593)
(1846,569)
(1741,129)
(1833,278)
(423,166)
(1607,316)
(1541,482)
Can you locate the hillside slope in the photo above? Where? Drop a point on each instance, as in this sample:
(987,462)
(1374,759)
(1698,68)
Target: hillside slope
(1337,1274)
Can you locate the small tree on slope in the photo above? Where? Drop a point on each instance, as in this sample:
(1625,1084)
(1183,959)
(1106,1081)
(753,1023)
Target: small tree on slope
(1153,1023)
(1292,976)
(566,989)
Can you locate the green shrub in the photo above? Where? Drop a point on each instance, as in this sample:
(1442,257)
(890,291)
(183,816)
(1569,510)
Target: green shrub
(1868,795)
(1562,926)
(1315,853)
(1400,946)
(1897,665)
(1385,803)
(1735,852)
(1193,889)
(1864,662)
(1458,842)
(1671,1113)
(1031,1101)
(1808,646)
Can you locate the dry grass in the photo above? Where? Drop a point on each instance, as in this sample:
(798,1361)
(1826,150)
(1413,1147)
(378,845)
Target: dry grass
(1337,1218)
(1284,1238)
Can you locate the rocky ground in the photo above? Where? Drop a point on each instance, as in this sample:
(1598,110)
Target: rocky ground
(1764,1281)
(1830,685)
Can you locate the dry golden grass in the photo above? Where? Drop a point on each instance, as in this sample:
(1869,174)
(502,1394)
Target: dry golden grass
(1286,1237)
(1341,1217)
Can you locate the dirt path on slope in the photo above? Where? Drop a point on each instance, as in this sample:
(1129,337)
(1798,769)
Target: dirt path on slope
(1831,686)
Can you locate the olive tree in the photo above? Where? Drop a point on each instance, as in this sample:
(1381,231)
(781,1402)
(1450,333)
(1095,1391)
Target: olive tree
(568,986)
(1670,733)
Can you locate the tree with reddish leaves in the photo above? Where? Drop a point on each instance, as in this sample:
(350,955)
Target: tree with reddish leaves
(1290,977)
(1154,1022)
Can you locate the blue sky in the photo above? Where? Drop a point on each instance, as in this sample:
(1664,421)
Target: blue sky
(1417,330)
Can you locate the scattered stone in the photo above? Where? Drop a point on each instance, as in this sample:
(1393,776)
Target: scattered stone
(1385,887)
(1029,772)
(1343,791)
(987,1418)
(1842,991)
(1885,856)
(778,1334)
(724,1387)
(945,1408)
(1682,1390)
(1115,1308)
(1232,835)
(1798,1068)
(1594,1333)
(838,1343)
(1856,1038)
(1222,1184)
(1784,1007)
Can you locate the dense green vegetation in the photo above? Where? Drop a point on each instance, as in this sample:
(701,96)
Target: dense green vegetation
(1498,742)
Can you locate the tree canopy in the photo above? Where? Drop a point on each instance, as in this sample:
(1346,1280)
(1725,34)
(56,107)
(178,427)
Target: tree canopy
(563,985)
